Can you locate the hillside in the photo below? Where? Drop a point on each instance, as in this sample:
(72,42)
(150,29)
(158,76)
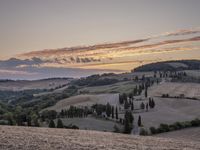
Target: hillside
(20,85)
(45,138)
(176,65)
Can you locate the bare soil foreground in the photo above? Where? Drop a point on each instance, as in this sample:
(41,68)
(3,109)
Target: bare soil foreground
(45,138)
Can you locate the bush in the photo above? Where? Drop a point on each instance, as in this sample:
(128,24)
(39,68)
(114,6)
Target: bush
(52,124)
(116,129)
(195,122)
(153,130)
(59,123)
(187,124)
(179,125)
(164,128)
(175,126)
(143,132)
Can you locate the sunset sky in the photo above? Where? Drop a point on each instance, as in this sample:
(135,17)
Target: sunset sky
(50,38)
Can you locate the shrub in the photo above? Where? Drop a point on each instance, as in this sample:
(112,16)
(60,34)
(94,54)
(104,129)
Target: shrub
(164,127)
(59,123)
(153,130)
(52,124)
(195,122)
(116,129)
(179,125)
(143,132)
(187,124)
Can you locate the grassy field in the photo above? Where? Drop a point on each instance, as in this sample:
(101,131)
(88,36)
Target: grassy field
(85,100)
(170,110)
(24,138)
(175,89)
(121,87)
(37,84)
(91,123)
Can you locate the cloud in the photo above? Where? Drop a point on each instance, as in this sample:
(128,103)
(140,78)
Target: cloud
(167,42)
(35,69)
(80,49)
(85,60)
(14,62)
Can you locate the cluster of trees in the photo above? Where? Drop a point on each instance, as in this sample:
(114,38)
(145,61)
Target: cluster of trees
(175,126)
(123,98)
(151,104)
(19,116)
(74,111)
(95,80)
(110,110)
(14,96)
(61,125)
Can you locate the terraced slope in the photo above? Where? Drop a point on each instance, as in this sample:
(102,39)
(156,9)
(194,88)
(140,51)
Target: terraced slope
(45,138)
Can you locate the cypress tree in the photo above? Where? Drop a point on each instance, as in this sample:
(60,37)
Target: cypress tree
(147,106)
(128,119)
(59,123)
(52,124)
(142,106)
(112,111)
(108,110)
(146,94)
(132,106)
(153,103)
(139,121)
(126,105)
(116,113)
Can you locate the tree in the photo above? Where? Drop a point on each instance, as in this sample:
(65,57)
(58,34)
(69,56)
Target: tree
(9,117)
(62,114)
(142,105)
(146,94)
(153,103)
(130,95)
(139,121)
(147,106)
(150,102)
(112,111)
(132,106)
(121,100)
(36,123)
(126,105)
(135,91)
(59,123)
(128,120)
(136,78)
(108,110)
(29,121)
(116,113)
(52,124)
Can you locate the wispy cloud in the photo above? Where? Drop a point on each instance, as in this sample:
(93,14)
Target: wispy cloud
(182,32)
(105,57)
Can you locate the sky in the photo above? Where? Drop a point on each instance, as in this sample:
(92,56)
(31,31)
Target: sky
(82,37)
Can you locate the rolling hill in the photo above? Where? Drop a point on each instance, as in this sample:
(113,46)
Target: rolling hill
(176,65)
